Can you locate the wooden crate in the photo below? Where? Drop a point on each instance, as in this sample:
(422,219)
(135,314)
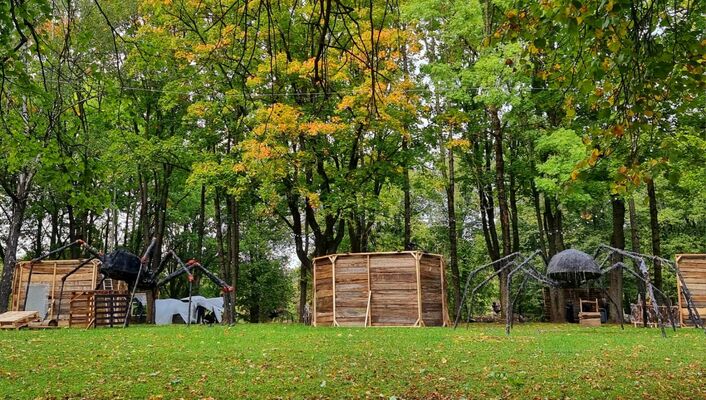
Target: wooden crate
(380,289)
(96,308)
(692,268)
(17,319)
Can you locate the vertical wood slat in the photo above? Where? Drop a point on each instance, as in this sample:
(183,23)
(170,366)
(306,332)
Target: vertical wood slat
(681,315)
(333,279)
(368,312)
(18,282)
(417,256)
(53,293)
(444,306)
(313,287)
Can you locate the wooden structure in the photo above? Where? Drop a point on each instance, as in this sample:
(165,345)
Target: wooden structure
(380,289)
(95,308)
(692,268)
(45,295)
(589,314)
(17,319)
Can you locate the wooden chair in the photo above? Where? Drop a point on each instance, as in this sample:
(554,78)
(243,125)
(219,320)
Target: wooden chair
(589,314)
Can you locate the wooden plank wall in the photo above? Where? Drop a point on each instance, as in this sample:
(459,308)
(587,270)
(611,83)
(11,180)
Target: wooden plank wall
(432,304)
(49,272)
(693,269)
(323,292)
(379,289)
(393,281)
(351,290)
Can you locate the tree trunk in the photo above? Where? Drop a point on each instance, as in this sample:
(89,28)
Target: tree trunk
(502,202)
(144,224)
(618,241)
(486,212)
(635,245)
(200,232)
(54,236)
(38,234)
(514,218)
(19,206)
(540,225)
(407,197)
(654,230)
(160,216)
(227,308)
(453,234)
(234,245)
(73,231)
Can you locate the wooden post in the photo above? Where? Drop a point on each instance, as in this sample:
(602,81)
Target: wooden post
(679,294)
(16,293)
(313,297)
(93,276)
(333,278)
(420,320)
(53,293)
(444,306)
(367,310)
(368,316)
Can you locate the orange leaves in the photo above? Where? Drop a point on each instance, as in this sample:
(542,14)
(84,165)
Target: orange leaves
(315,128)
(461,144)
(255,150)
(618,130)
(278,119)
(594,157)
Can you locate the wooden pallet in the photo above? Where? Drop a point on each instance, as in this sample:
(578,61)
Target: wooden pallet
(17,319)
(94,308)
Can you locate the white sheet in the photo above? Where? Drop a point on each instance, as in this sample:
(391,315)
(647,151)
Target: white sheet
(165,309)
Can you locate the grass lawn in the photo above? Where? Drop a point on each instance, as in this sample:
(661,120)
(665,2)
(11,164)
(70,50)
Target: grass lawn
(293,361)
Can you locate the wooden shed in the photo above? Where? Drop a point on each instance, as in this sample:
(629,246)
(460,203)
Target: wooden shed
(44,289)
(692,268)
(405,288)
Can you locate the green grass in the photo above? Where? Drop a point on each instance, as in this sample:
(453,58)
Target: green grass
(293,361)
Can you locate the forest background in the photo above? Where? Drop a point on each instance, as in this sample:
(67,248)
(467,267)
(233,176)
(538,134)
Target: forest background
(256,135)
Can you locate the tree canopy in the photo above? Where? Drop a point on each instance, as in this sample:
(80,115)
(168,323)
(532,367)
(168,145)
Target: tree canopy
(255,135)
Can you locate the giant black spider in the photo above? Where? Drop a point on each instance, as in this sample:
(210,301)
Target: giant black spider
(127,267)
(585,269)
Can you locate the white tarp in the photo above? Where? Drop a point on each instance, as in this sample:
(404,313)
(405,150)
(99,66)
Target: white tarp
(166,309)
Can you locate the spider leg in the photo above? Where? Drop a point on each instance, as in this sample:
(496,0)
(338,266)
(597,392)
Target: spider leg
(470,276)
(519,291)
(218,281)
(620,309)
(49,254)
(487,280)
(693,311)
(664,296)
(63,281)
(530,271)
